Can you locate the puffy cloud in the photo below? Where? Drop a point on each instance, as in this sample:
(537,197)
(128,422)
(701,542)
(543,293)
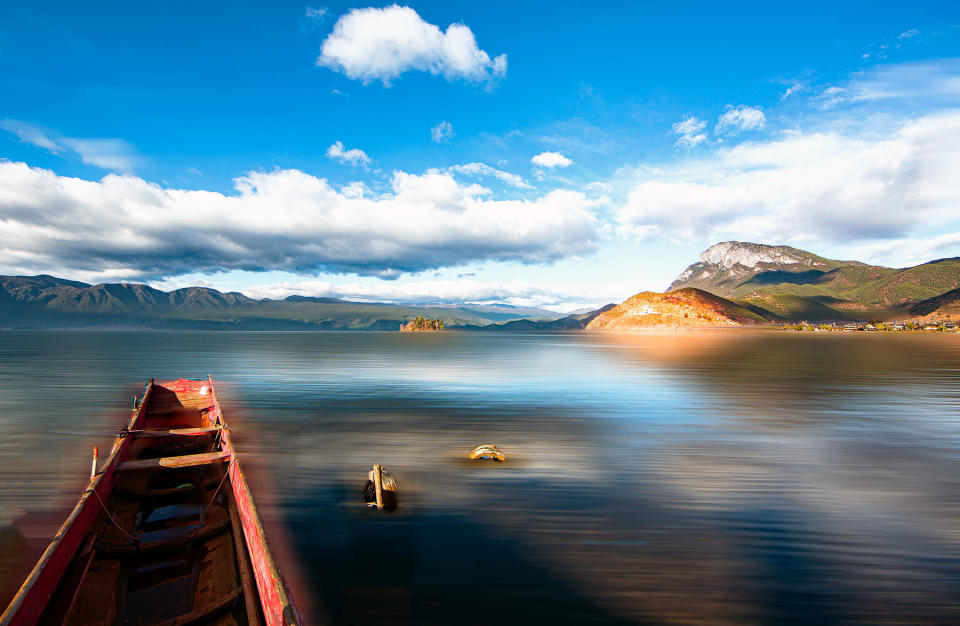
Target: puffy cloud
(807,187)
(690,131)
(441,132)
(551,159)
(482,169)
(381,44)
(738,119)
(353,156)
(281,220)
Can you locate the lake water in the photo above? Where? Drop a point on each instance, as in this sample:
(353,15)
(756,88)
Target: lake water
(716,477)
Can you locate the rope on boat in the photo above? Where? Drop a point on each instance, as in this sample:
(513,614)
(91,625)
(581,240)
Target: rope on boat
(135,540)
(226,473)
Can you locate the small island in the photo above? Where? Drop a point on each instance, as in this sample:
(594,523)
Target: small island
(421,324)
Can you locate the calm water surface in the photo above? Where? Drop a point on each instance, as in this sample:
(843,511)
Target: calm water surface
(748,477)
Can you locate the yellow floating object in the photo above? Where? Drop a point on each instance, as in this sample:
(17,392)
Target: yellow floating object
(488,452)
(380,492)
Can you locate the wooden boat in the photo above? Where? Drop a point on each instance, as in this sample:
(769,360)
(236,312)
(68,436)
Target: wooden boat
(166,532)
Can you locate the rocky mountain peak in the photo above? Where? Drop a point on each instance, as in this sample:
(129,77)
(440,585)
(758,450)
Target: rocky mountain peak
(723,266)
(729,254)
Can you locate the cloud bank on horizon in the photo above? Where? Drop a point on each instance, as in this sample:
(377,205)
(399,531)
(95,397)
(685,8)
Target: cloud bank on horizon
(863,164)
(287,220)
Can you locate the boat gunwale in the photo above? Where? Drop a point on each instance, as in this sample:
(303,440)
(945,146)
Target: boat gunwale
(271,586)
(32,599)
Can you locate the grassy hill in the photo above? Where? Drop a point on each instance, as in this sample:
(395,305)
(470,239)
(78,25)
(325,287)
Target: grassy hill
(795,284)
(682,308)
(947,304)
(855,292)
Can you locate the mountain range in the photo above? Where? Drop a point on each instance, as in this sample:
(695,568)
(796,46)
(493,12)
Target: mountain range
(793,284)
(49,302)
(732,283)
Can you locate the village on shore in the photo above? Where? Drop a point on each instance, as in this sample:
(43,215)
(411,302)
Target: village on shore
(941,325)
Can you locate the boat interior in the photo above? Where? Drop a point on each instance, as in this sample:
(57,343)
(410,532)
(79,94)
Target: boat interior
(167,545)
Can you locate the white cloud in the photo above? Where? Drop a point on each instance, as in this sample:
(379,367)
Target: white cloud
(353,156)
(598,187)
(110,154)
(907,34)
(690,131)
(282,220)
(793,89)
(831,97)
(381,44)
(315,13)
(739,119)
(919,87)
(551,159)
(482,169)
(441,132)
(935,83)
(28,133)
(807,187)
(560,297)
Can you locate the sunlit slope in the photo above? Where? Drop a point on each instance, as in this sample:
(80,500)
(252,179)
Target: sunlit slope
(682,308)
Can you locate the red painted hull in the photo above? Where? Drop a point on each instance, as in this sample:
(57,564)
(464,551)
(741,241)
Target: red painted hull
(200,546)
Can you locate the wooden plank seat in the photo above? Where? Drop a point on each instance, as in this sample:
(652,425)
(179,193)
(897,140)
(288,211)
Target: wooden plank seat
(187,460)
(139,492)
(172,432)
(203,613)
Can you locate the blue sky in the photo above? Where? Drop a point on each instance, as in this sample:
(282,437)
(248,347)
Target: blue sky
(555,154)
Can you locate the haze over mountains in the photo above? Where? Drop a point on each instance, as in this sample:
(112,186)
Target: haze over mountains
(732,283)
(49,302)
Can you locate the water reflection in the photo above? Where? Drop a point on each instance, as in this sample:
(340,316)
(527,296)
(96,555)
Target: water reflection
(713,477)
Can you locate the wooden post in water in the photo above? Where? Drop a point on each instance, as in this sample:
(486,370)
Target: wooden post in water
(378,484)
(93,466)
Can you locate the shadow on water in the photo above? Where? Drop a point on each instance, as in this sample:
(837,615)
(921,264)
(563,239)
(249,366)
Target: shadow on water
(425,568)
(792,583)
